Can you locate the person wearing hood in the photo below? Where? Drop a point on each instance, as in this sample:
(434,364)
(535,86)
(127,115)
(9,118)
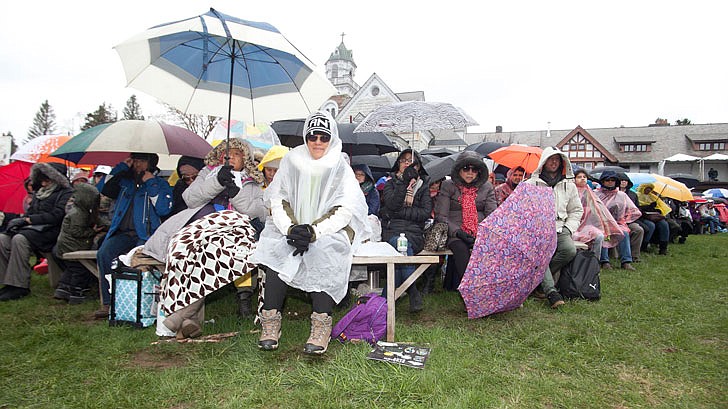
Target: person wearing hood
(35,231)
(78,230)
(366,182)
(636,229)
(218,186)
(654,211)
(406,206)
(270,163)
(513,178)
(463,202)
(318,218)
(623,211)
(598,229)
(188,168)
(554,171)
(141,200)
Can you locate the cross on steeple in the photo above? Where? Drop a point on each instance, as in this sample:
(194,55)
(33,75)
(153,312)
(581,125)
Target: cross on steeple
(342,36)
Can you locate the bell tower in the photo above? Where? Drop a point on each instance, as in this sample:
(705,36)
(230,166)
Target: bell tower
(340,70)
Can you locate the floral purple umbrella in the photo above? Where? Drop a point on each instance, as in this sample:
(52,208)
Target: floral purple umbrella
(513,247)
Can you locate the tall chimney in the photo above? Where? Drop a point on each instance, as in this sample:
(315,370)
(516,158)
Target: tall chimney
(498,129)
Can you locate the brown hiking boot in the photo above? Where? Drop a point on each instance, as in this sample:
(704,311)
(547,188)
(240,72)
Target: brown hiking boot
(102,313)
(270,320)
(628,266)
(606,266)
(318,341)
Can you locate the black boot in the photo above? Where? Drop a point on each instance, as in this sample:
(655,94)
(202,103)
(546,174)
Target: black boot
(663,248)
(245,294)
(429,286)
(415,299)
(79,295)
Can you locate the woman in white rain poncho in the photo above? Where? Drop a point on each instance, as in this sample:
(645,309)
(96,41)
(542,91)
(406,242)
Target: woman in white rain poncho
(318,217)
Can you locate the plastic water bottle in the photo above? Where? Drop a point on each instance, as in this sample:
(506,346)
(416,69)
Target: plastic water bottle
(402,244)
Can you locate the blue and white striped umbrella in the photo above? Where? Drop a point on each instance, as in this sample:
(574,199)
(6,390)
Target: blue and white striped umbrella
(215,64)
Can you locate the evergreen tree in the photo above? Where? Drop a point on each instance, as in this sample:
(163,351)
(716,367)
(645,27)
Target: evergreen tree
(44,122)
(103,115)
(683,121)
(132,110)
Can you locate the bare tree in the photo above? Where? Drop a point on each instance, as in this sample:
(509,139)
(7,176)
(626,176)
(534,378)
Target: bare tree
(200,124)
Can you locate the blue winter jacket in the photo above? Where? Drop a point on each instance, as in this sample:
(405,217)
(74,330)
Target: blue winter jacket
(152,200)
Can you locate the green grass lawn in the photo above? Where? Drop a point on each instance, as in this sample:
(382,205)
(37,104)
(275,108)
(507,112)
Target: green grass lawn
(657,339)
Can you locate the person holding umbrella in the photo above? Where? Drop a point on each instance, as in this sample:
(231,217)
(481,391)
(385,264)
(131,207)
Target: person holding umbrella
(318,218)
(463,202)
(554,170)
(35,231)
(406,206)
(142,199)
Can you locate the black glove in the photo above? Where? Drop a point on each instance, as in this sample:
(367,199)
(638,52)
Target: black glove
(300,236)
(465,237)
(409,174)
(232,190)
(225,175)
(15,224)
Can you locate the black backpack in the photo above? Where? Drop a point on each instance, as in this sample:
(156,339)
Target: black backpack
(580,278)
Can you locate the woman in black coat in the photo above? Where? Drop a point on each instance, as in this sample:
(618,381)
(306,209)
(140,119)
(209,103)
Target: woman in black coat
(35,231)
(406,205)
(463,202)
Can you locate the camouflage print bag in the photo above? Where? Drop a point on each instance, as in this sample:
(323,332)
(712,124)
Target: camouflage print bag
(436,237)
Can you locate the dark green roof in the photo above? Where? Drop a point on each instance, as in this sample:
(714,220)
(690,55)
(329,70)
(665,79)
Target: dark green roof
(342,53)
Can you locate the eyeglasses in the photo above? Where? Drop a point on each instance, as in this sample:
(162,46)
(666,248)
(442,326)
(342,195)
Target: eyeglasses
(189,177)
(406,160)
(322,138)
(470,168)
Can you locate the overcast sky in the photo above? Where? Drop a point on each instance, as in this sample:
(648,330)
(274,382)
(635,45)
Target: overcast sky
(519,64)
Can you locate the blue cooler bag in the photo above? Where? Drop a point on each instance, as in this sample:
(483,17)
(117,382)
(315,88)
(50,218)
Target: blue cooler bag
(132,296)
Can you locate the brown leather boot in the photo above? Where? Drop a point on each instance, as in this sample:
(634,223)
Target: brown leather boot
(102,313)
(270,320)
(318,341)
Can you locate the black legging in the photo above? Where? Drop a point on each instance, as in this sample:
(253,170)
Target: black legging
(275,294)
(456,264)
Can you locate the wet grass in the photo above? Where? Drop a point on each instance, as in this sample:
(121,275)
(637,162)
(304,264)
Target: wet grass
(657,339)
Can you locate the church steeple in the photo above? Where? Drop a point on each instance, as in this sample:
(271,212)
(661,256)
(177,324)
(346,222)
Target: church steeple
(341,68)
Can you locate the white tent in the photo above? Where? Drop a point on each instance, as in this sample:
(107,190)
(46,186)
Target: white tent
(679,157)
(716,157)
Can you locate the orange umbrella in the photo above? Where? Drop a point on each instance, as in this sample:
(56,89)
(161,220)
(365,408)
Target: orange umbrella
(514,156)
(39,148)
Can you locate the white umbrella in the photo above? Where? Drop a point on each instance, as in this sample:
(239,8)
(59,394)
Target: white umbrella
(415,116)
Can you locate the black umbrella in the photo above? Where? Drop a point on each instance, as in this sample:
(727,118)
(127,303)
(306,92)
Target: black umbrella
(596,172)
(689,180)
(290,132)
(379,165)
(485,148)
(439,152)
(440,167)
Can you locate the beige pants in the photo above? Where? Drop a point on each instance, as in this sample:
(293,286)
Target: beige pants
(194,312)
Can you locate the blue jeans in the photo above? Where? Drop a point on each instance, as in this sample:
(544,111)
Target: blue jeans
(625,252)
(111,248)
(662,228)
(712,222)
(401,271)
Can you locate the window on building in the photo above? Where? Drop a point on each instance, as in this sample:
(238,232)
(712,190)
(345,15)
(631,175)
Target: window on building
(335,71)
(644,168)
(711,146)
(634,147)
(579,147)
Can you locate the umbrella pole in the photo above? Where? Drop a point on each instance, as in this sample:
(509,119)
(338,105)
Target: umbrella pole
(230,103)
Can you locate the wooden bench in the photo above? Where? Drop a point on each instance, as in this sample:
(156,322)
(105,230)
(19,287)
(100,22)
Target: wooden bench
(423,260)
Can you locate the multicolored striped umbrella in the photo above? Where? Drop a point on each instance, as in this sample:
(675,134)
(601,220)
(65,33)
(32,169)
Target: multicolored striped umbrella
(112,143)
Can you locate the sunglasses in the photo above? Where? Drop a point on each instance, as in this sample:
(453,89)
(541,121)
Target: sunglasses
(322,138)
(470,168)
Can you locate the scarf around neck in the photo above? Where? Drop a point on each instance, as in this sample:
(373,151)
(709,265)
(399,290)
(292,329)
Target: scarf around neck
(45,192)
(470,211)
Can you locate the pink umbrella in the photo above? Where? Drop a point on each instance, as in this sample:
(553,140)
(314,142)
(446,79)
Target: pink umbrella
(512,250)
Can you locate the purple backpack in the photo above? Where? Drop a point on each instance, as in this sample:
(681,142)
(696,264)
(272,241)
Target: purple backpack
(367,320)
